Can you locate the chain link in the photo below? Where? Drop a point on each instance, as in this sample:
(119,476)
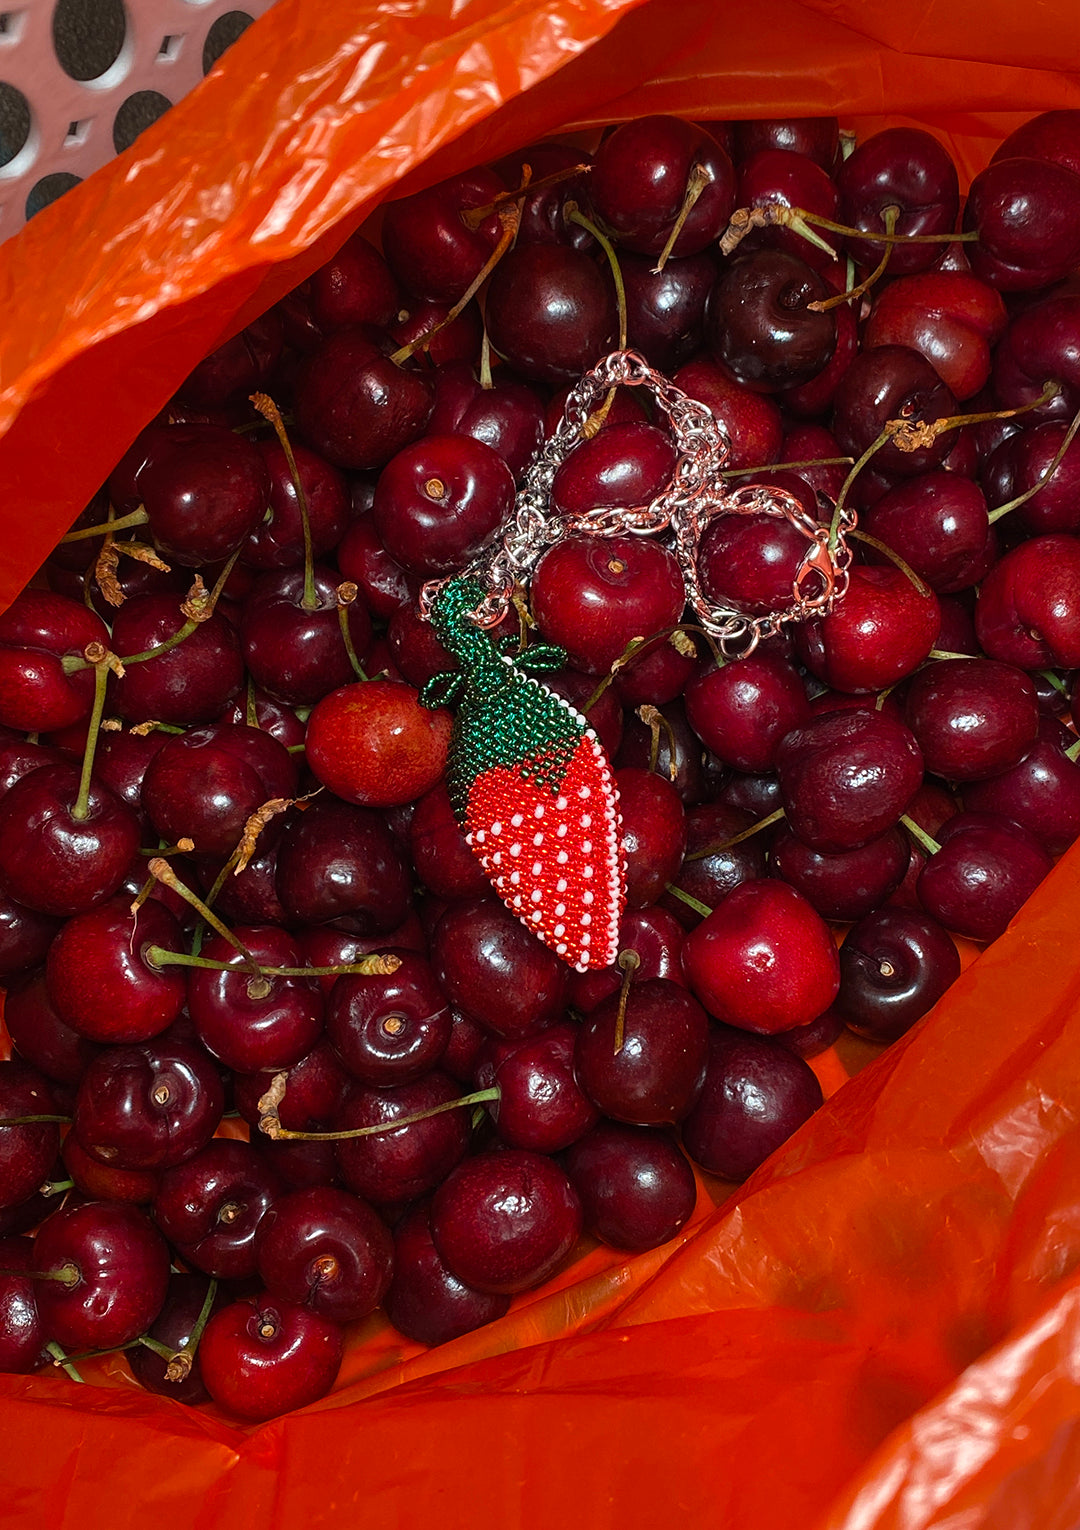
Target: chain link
(696,495)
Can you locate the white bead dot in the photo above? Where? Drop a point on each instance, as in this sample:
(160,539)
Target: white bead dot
(515,849)
(586,871)
(517,821)
(538,838)
(586,821)
(562,857)
(517,901)
(560,950)
(536,916)
(586,846)
(586,920)
(586,896)
(496,859)
(536,895)
(480,836)
(515,878)
(538,810)
(561,831)
(561,804)
(560,885)
(538,867)
(584,792)
(560,910)
(586,938)
(560,929)
(496,827)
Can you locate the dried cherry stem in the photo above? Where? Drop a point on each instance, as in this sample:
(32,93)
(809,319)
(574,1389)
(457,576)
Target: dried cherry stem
(823,305)
(379,964)
(1055,463)
(346,593)
(510,219)
(60,1359)
(163,872)
(930,845)
(654,720)
(787,467)
(182,847)
(137,517)
(251,714)
(691,902)
(473,218)
(178,1362)
(573,214)
(805,224)
(105,566)
(893,557)
(103,662)
(634,649)
(485,359)
(699,177)
(270,411)
(737,839)
(628,963)
(946,653)
(270,1123)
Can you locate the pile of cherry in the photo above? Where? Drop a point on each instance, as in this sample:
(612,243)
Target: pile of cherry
(232,888)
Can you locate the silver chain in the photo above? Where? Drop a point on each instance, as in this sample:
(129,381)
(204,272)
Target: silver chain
(696,495)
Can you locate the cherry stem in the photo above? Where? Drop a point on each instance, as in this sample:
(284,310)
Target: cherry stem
(628,963)
(137,517)
(181,1361)
(251,713)
(346,594)
(60,1359)
(945,653)
(845,488)
(67,1274)
(791,215)
(377,965)
(270,411)
(510,219)
(1067,441)
(785,467)
(633,650)
(163,872)
(823,305)
(485,360)
(893,557)
(573,214)
(271,1124)
(691,902)
(700,177)
(182,847)
(473,218)
(53,1187)
(737,839)
(654,720)
(101,679)
(1073,751)
(931,846)
(1054,680)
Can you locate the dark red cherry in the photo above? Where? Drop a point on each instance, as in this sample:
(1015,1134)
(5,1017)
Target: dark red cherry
(327,1251)
(665,310)
(25,937)
(439,500)
(341,863)
(938,524)
(37,631)
(295,652)
(654,1077)
(148,1107)
(391,1029)
(541,1107)
(440,853)
(22,1337)
(891,382)
(204,491)
(491,967)
(1025,211)
(759,323)
(1042,792)
(262,1357)
(1028,611)
(742,710)
(593,595)
(354,406)
(1051,135)
(425,1301)
(654,936)
(27,1152)
(763,960)
(780,178)
(756,1094)
(750,420)
(1023,462)
(550,312)
(895,964)
(206,783)
(816,137)
(906,168)
(247,1021)
(882,630)
(972,718)
(56,863)
(505,1222)
(640,178)
(404,1161)
(749,563)
(232,372)
(985,871)
(315,1091)
(190,683)
(653,835)
(173,1327)
(636,1188)
(353,287)
(624,465)
(278,540)
(430,247)
(101,980)
(210,1206)
(39,1035)
(845,778)
(950,317)
(1038,347)
(362,558)
(115,1273)
(712,867)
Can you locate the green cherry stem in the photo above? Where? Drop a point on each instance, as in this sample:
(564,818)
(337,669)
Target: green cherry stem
(691,902)
(1073,751)
(163,872)
(628,963)
(920,836)
(823,305)
(737,839)
(1067,441)
(102,662)
(60,1359)
(180,1361)
(346,593)
(137,517)
(270,411)
(34,1120)
(700,177)
(377,965)
(893,557)
(270,1123)
(573,214)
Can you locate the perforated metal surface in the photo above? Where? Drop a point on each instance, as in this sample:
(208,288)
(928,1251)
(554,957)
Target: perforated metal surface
(80,79)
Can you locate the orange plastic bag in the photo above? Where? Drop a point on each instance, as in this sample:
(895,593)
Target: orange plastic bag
(882,1328)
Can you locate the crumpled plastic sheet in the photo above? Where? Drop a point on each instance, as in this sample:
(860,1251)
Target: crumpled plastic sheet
(881,1329)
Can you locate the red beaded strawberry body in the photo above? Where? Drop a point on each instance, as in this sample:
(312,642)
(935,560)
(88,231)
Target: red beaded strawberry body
(531,786)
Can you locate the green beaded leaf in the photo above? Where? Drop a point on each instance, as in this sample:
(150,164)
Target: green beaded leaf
(443,689)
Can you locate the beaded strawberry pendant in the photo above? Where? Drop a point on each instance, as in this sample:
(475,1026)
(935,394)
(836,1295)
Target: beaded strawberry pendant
(531,787)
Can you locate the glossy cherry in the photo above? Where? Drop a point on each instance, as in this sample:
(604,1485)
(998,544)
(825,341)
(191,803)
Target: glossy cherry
(895,964)
(113,1269)
(263,1356)
(327,1251)
(425,1301)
